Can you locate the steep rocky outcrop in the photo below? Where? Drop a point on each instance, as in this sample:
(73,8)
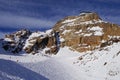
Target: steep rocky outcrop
(30,42)
(42,41)
(86,32)
(14,42)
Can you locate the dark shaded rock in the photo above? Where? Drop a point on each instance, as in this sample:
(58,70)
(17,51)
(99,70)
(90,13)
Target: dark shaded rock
(14,42)
(38,41)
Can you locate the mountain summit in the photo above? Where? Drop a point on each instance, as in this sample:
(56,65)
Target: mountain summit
(85,32)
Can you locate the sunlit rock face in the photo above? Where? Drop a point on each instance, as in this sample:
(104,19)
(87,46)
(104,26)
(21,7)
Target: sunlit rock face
(86,31)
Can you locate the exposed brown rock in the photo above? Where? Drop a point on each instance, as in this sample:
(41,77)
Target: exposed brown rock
(79,30)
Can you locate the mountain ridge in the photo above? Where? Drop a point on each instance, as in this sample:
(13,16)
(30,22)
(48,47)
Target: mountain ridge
(85,32)
(62,53)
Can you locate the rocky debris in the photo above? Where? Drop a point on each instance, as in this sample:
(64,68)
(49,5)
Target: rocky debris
(86,32)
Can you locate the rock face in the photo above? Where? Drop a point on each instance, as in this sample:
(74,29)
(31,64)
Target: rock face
(30,42)
(86,32)
(42,41)
(14,42)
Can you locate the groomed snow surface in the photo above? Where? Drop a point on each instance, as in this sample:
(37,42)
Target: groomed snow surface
(102,64)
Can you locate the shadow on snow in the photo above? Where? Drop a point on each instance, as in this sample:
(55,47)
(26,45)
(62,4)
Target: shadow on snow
(13,69)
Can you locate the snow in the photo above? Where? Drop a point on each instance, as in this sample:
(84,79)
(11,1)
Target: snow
(78,31)
(8,39)
(26,58)
(92,22)
(83,13)
(98,33)
(53,68)
(97,30)
(27,43)
(48,32)
(31,40)
(103,64)
(10,70)
(62,39)
(100,64)
(69,20)
(66,31)
(114,37)
(37,34)
(103,41)
(88,34)
(72,23)
(22,32)
(46,49)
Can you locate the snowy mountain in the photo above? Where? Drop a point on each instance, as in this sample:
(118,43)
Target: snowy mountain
(86,32)
(82,47)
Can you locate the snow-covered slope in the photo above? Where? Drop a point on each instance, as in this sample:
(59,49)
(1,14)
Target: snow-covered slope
(101,64)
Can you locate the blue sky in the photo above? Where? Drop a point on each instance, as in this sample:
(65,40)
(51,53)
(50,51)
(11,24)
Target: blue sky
(43,14)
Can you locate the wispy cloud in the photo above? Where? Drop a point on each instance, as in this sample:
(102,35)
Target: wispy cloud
(15,21)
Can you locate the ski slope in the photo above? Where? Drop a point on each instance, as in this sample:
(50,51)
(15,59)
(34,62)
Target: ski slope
(101,64)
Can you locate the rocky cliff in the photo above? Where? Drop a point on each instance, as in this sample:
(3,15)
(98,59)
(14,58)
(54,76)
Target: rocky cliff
(30,42)
(42,41)
(86,31)
(14,42)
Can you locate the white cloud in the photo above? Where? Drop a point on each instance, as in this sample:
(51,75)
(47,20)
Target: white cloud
(14,21)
